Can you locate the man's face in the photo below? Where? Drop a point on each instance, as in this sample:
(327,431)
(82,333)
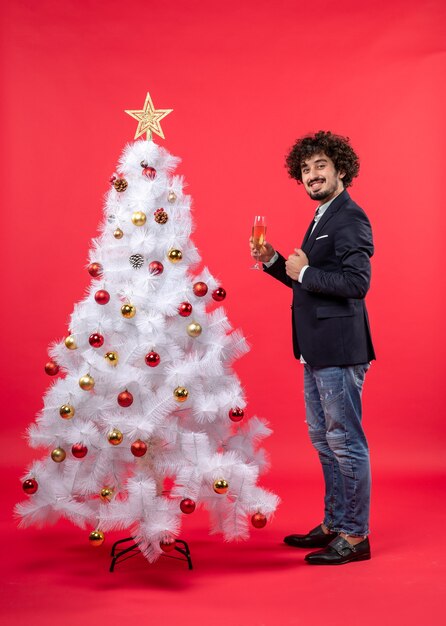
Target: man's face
(320,178)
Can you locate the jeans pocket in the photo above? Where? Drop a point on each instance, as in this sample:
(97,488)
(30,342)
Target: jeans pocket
(359,373)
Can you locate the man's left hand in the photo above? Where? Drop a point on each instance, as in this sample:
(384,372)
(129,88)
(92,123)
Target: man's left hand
(295,263)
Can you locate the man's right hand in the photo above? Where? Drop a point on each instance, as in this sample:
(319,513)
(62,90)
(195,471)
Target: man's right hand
(265,253)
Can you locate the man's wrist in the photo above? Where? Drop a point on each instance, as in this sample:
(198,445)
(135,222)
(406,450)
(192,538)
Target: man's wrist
(272,260)
(301,273)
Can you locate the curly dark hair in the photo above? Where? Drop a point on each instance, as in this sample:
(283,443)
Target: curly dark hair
(336,147)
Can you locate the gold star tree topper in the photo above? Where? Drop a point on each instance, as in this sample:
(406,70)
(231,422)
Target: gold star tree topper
(149,119)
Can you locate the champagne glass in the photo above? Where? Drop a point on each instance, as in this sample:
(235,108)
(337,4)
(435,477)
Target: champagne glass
(258,236)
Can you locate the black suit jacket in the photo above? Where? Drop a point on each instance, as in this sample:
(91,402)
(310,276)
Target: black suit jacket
(330,321)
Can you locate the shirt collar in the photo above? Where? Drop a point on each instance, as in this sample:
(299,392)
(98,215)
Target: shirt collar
(323,207)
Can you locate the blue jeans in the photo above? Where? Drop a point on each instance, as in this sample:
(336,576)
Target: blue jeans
(333,412)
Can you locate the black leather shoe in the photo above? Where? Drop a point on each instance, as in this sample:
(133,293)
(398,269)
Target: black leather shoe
(316,538)
(340,551)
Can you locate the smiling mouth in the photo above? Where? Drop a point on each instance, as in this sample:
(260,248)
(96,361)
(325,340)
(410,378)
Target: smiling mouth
(316,183)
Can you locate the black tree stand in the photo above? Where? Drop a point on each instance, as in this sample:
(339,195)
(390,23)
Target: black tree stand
(122,554)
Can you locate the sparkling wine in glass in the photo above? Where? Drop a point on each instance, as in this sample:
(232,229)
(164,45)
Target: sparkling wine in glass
(258,236)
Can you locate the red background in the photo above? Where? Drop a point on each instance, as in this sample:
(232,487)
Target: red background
(245,80)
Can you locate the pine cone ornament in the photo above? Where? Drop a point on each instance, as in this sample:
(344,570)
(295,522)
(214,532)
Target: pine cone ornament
(120,184)
(136,261)
(161,216)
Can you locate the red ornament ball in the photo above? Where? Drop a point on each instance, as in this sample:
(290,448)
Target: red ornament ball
(156,267)
(96,340)
(236,415)
(125,398)
(258,520)
(112,179)
(168,544)
(102,296)
(149,172)
(200,289)
(51,368)
(138,448)
(219,294)
(78,450)
(185,309)
(187,506)
(95,269)
(30,486)
(153,359)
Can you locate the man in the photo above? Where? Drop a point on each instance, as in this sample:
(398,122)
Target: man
(330,276)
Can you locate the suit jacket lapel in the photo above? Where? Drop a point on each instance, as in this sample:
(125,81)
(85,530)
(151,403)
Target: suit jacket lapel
(307,234)
(310,237)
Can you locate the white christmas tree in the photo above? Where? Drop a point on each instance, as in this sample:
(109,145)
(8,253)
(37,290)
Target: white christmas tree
(146,420)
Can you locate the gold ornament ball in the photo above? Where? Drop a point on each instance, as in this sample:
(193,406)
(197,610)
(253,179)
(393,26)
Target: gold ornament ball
(194,329)
(221,486)
(96,538)
(70,343)
(128,310)
(66,411)
(181,394)
(118,234)
(171,197)
(115,437)
(139,218)
(112,358)
(58,455)
(174,255)
(106,494)
(86,382)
